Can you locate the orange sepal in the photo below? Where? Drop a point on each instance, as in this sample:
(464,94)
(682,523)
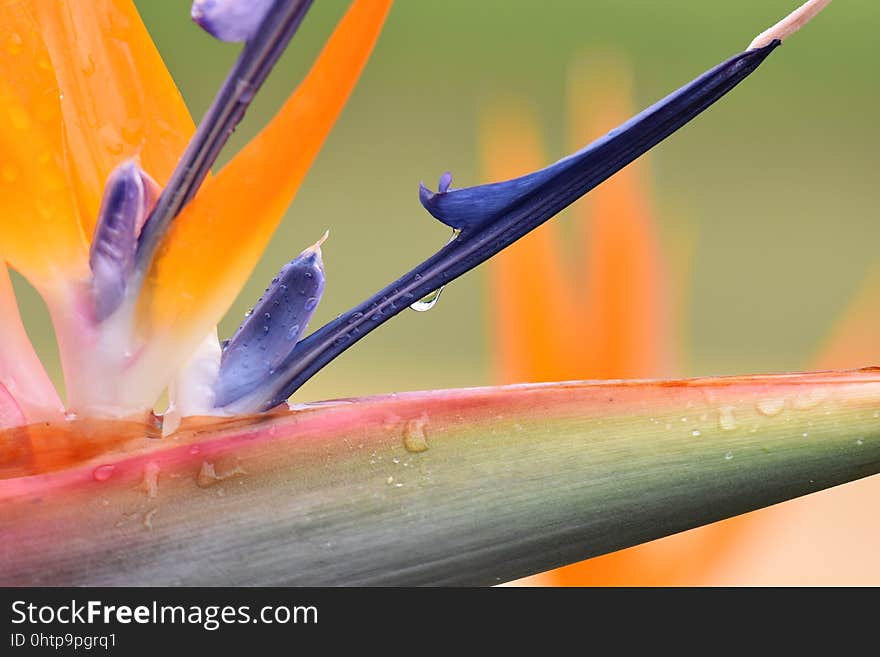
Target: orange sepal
(41,236)
(119,99)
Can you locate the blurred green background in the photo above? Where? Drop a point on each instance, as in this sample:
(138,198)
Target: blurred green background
(776,184)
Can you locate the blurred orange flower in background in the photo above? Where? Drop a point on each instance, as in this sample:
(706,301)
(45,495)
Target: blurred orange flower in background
(606,303)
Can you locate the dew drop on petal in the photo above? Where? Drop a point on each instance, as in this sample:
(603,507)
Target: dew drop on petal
(14,44)
(415,436)
(770,407)
(103,472)
(809,399)
(726,418)
(9,173)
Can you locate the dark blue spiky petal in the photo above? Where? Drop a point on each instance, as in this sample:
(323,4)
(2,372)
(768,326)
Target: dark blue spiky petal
(543,193)
(265,339)
(494,216)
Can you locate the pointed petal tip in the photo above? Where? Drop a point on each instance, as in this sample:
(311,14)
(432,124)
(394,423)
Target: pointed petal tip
(790,24)
(425,195)
(315,249)
(445,181)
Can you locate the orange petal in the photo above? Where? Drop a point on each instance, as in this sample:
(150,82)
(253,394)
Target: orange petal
(21,372)
(119,99)
(215,242)
(853,340)
(41,234)
(532,319)
(626,313)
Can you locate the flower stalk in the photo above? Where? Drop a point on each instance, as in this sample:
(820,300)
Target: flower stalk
(474,486)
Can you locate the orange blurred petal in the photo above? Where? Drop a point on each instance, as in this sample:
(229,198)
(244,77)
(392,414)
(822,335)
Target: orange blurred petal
(626,314)
(215,242)
(21,372)
(532,319)
(119,99)
(625,317)
(853,341)
(41,235)
(835,529)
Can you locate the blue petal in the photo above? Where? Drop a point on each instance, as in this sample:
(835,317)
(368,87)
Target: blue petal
(470,206)
(537,196)
(269,334)
(230,20)
(128,196)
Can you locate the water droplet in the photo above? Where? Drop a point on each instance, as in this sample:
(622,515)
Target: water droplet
(809,399)
(103,472)
(696,433)
(150,484)
(860,442)
(148,518)
(132,130)
(195,449)
(726,419)
(293,332)
(14,43)
(88,67)
(415,437)
(208,475)
(18,118)
(111,138)
(805,434)
(9,173)
(267,315)
(728,456)
(428,301)
(770,407)
(311,303)
(389,481)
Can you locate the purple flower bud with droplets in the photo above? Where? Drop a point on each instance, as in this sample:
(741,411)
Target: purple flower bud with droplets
(129,196)
(267,336)
(230,20)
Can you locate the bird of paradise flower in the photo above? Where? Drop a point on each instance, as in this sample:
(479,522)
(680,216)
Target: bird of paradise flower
(323,493)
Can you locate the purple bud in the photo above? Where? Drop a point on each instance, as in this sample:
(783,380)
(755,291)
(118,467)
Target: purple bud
(230,20)
(128,198)
(270,331)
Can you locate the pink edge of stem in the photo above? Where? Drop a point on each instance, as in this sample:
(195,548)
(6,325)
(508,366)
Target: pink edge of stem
(330,421)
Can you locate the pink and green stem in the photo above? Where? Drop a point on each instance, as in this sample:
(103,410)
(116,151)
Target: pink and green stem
(473,486)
